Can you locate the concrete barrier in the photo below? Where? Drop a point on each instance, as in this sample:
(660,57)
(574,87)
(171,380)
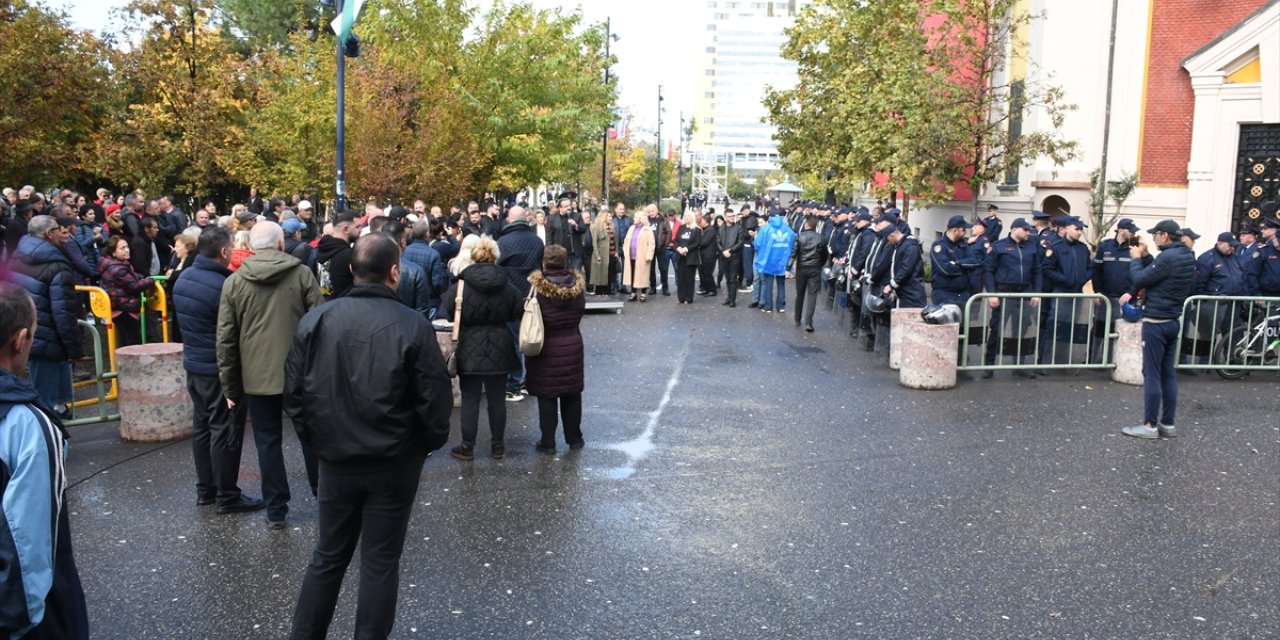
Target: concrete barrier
(928,356)
(154,405)
(443,338)
(1128,355)
(901,321)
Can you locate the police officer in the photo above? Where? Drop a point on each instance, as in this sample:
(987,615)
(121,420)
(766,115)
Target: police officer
(1248,241)
(875,276)
(1043,232)
(1067,266)
(992,225)
(1219,272)
(1011,267)
(863,239)
(979,245)
(1262,271)
(953,260)
(838,249)
(1111,278)
(905,270)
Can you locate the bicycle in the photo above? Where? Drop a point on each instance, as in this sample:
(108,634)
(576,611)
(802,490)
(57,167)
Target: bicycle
(1260,346)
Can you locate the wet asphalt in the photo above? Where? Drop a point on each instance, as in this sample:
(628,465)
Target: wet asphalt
(744,479)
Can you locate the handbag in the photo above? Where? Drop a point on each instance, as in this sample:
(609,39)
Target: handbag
(531,330)
(451,359)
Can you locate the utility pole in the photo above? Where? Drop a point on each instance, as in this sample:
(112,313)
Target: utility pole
(659,158)
(340,189)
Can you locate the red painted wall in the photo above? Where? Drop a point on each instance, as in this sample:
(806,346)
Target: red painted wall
(1178,29)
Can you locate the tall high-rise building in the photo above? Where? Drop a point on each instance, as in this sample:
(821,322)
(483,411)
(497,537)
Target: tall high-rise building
(742,56)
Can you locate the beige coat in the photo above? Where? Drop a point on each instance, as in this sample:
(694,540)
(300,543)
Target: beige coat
(644,252)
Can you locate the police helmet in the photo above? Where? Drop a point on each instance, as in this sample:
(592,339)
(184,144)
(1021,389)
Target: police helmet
(941,314)
(878,304)
(1131,312)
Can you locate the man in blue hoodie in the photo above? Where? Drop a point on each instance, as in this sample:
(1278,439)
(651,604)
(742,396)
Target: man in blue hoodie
(773,246)
(40,591)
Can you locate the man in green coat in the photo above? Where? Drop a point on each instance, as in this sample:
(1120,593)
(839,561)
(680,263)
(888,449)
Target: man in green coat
(261,306)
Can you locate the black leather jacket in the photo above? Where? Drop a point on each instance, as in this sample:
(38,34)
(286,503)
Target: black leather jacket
(811,250)
(361,417)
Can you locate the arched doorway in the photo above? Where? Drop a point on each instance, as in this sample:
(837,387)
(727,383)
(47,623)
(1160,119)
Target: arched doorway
(1056,206)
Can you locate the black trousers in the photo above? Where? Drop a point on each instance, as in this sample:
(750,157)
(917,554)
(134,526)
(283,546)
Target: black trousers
(494,388)
(707,275)
(267,414)
(808,283)
(565,408)
(684,279)
(732,269)
(217,438)
(372,509)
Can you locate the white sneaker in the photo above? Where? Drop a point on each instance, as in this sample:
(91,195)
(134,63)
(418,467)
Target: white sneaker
(1141,431)
(514,396)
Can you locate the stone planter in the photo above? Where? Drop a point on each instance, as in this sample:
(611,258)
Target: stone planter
(901,321)
(1128,355)
(154,405)
(928,353)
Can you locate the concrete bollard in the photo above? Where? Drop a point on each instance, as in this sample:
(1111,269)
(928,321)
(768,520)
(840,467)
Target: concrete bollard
(928,353)
(443,338)
(154,405)
(901,321)
(1128,355)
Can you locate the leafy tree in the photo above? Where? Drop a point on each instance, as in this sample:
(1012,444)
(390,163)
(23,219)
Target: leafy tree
(738,188)
(911,98)
(57,91)
(186,94)
(261,24)
(1100,222)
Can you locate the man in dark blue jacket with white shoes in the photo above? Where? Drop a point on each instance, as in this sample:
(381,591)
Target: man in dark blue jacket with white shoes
(1166,282)
(217,432)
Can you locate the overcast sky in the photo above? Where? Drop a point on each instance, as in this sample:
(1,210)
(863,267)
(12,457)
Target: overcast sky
(659,41)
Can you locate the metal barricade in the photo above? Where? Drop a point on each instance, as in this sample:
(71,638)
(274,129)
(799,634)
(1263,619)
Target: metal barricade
(100,308)
(100,380)
(1231,335)
(157,302)
(1039,331)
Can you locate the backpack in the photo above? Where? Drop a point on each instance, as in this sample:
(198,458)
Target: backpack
(323,277)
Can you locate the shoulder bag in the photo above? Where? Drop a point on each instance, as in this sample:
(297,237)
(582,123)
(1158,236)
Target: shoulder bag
(531,330)
(451,359)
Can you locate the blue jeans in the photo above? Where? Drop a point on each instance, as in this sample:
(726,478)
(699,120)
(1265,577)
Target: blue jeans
(748,264)
(1160,381)
(515,379)
(772,283)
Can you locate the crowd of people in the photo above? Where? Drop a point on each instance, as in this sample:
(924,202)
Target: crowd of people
(277,310)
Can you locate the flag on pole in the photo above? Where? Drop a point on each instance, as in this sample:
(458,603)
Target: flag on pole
(342,24)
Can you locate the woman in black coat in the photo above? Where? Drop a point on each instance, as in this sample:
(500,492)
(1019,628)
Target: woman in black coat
(688,240)
(486,349)
(555,376)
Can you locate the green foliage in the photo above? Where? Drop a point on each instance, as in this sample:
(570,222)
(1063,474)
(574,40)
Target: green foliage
(916,98)
(219,95)
(738,189)
(57,92)
(1100,222)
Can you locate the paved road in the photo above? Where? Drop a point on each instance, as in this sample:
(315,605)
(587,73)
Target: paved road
(743,479)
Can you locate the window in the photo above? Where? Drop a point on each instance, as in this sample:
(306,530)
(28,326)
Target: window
(711,72)
(709,94)
(731,5)
(708,120)
(711,49)
(711,5)
(711,27)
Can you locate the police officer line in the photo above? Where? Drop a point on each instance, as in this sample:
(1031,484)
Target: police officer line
(1232,335)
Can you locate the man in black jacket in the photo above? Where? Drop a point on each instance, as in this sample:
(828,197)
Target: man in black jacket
(731,241)
(1168,280)
(810,256)
(371,428)
(333,256)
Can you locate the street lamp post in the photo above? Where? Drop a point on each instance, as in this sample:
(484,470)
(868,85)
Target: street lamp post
(659,158)
(604,142)
(340,188)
